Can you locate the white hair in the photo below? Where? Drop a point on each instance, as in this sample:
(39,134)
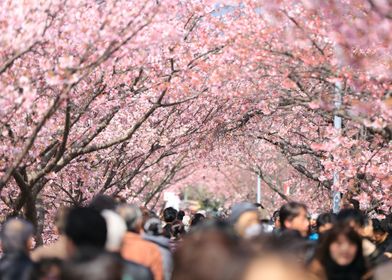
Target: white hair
(116,229)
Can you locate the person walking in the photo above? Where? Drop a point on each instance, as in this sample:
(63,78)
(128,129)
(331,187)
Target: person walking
(16,241)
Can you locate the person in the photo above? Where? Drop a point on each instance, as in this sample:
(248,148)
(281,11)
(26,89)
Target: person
(85,227)
(382,237)
(206,253)
(380,234)
(180,215)
(177,231)
(16,241)
(245,219)
(353,218)
(197,219)
(276,222)
(383,240)
(56,250)
(134,247)
(92,263)
(362,225)
(339,256)
(294,216)
(153,232)
(116,229)
(313,221)
(169,216)
(102,202)
(294,234)
(325,222)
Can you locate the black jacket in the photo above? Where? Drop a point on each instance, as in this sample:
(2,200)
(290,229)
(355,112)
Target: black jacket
(15,266)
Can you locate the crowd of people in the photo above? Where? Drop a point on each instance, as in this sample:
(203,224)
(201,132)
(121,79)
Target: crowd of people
(107,240)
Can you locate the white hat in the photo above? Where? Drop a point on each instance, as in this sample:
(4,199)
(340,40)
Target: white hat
(116,229)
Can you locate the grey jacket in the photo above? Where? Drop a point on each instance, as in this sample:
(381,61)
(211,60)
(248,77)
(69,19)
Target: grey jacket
(164,248)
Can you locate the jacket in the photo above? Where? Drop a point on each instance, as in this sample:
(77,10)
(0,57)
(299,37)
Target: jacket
(164,247)
(15,266)
(143,252)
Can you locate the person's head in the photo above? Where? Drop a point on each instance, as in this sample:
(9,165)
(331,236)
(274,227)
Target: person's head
(132,216)
(325,221)
(177,230)
(211,243)
(294,216)
(169,215)
(197,219)
(276,219)
(92,264)
(116,229)
(147,214)
(351,217)
(379,231)
(313,219)
(244,216)
(60,219)
(16,235)
(103,202)
(180,215)
(367,230)
(341,247)
(153,226)
(85,227)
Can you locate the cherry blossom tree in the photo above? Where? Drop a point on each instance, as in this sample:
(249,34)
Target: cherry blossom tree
(129,97)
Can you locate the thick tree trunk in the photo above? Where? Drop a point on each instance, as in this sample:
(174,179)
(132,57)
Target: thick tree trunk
(31,214)
(28,202)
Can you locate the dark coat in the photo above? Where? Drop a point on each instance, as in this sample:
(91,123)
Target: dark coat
(136,271)
(15,266)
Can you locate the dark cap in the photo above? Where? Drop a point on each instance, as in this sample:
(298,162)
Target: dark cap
(239,209)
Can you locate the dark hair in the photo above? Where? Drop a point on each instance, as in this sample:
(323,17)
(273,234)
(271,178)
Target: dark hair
(355,203)
(259,205)
(348,216)
(379,226)
(275,215)
(289,211)
(86,227)
(103,202)
(325,218)
(197,219)
(153,227)
(94,264)
(180,215)
(169,215)
(356,269)
(177,230)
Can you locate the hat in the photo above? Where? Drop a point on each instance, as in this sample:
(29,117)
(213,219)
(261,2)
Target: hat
(239,209)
